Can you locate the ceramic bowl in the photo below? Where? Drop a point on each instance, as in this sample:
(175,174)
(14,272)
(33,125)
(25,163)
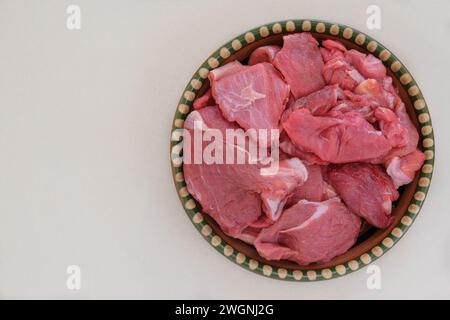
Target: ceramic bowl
(374,243)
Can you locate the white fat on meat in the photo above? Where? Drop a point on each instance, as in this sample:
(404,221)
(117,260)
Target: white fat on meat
(321,208)
(274,202)
(395,172)
(296,166)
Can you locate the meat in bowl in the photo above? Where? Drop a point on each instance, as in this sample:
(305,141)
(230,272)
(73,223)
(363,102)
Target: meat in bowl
(347,145)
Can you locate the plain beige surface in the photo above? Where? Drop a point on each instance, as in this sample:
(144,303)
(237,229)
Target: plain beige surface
(84,130)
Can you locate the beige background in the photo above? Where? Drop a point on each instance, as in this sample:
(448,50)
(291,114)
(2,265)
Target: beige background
(84,128)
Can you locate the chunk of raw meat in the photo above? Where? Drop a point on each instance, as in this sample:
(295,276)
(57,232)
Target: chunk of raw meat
(290,148)
(254,96)
(367,96)
(333,45)
(315,187)
(225,70)
(391,127)
(367,65)
(338,71)
(403,169)
(366,190)
(371,93)
(386,83)
(301,64)
(204,101)
(412,134)
(275,189)
(346,106)
(208,117)
(337,139)
(250,233)
(310,232)
(263,54)
(236,194)
(319,102)
(332,49)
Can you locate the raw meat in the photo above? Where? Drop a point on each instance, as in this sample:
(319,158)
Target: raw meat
(412,136)
(346,140)
(263,54)
(301,64)
(250,233)
(310,232)
(339,138)
(315,187)
(346,106)
(318,102)
(291,149)
(233,194)
(366,97)
(371,93)
(391,127)
(403,169)
(333,45)
(204,101)
(332,49)
(366,190)
(339,71)
(253,96)
(226,70)
(367,65)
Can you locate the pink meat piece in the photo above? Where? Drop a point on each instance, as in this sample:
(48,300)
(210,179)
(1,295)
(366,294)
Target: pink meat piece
(315,187)
(310,232)
(301,64)
(367,191)
(328,55)
(318,102)
(204,101)
(262,222)
(387,85)
(337,139)
(226,70)
(249,234)
(338,71)
(332,49)
(367,65)
(208,117)
(412,136)
(371,93)
(288,147)
(367,96)
(375,89)
(403,169)
(263,54)
(235,195)
(253,96)
(346,106)
(333,45)
(391,127)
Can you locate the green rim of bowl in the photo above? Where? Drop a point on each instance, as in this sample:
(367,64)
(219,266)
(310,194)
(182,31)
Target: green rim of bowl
(340,31)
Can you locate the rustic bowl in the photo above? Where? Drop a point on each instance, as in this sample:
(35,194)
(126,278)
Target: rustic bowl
(372,244)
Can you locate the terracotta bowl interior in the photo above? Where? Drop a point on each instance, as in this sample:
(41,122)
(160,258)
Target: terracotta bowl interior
(370,237)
